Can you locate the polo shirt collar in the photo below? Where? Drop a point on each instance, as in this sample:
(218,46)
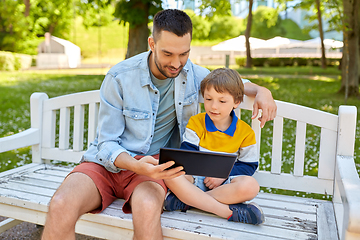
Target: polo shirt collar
(210,127)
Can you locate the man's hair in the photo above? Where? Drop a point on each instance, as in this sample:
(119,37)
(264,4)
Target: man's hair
(171,20)
(224,80)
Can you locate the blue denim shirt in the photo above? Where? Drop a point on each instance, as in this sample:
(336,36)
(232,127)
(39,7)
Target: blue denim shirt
(129,102)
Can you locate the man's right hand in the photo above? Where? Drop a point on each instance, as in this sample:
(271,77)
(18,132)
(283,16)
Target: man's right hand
(150,167)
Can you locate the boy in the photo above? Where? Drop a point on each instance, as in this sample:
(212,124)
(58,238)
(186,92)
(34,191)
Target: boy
(219,130)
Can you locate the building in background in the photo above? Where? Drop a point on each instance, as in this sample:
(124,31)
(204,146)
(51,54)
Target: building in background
(57,53)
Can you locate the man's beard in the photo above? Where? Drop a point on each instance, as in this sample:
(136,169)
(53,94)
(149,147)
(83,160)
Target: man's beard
(162,70)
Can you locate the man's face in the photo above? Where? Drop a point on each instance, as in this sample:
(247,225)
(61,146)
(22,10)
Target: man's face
(169,54)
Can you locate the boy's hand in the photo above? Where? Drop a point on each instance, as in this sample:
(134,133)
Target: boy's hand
(212,182)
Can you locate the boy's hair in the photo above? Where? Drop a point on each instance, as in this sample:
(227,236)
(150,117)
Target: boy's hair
(224,80)
(171,20)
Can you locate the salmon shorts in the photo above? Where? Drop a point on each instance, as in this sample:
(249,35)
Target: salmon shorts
(114,185)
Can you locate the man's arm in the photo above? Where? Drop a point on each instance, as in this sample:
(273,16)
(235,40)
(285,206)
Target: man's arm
(263,100)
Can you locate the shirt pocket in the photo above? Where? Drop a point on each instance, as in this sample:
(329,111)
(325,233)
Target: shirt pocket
(138,124)
(191,99)
(136,114)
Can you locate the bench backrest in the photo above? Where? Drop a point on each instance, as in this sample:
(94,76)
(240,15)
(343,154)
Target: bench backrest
(66,122)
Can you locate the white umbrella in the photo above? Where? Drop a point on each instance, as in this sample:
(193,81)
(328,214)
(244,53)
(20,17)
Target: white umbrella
(237,44)
(278,42)
(316,43)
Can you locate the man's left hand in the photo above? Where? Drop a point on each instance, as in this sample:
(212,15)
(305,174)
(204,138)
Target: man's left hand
(265,102)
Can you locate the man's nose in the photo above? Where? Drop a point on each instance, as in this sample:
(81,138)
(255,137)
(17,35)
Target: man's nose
(175,62)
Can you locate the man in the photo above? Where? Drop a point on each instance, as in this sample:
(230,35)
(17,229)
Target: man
(145,103)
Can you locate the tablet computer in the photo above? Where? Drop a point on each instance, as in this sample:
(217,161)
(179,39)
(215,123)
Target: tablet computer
(209,164)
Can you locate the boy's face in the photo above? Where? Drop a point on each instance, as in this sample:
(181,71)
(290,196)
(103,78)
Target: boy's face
(169,54)
(219,106)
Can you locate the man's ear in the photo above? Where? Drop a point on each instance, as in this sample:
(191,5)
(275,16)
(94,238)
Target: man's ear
(151,43)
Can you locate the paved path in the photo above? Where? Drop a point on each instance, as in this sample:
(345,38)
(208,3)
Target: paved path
(29,231)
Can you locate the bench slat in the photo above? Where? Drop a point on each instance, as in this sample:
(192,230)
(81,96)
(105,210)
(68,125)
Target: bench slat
(78,142)
(64,131)
(49,128)
(327,154)
(93,121)
(299,149)
(294,218)
(277,145)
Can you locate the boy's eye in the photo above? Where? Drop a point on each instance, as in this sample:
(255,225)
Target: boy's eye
(207,99)
(223,101)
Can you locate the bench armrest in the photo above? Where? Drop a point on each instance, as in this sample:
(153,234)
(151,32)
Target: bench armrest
(26,138)
(348,182)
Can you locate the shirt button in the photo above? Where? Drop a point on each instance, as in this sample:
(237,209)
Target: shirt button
(183,82)
(179,103)
(156,92)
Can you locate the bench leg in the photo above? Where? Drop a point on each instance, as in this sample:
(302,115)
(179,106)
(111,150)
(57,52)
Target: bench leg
(8,223)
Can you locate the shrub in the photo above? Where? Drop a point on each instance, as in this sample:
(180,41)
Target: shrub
(13,61)
(289,61)
(7,61)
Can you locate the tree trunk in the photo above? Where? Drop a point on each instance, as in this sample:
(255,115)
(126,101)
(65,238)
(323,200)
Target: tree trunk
(323,58)
(350,76)
(139,34)
(247,36)
(27,8)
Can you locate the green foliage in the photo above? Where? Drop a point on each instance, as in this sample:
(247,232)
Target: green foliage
(226,27)
(112,43)
(266,23)
(20,33)
(136,12)
(214,8)
(7,61)
(201,26)
(12,61)
(95,13)
(293,31)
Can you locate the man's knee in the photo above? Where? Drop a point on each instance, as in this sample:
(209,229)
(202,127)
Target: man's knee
(59,205)
(148,195)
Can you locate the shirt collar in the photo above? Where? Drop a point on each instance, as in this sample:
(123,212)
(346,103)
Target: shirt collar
(231,129)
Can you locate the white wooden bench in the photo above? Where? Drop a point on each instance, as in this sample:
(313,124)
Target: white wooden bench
(26,191)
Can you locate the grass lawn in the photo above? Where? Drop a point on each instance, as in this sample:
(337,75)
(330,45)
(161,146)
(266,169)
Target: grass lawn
(316,92)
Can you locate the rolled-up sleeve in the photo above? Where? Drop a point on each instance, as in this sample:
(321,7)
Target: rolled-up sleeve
(111,124)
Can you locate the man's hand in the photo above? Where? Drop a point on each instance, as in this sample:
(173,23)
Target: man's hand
(265,102)
(148,166)
(212,182)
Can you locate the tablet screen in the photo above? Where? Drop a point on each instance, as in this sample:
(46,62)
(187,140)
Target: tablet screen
(209,164)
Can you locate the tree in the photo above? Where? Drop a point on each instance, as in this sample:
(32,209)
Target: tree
(323,58)
(212,8)
(247,36)
(317,8)
(350,72)
(266,23)
(137,13)
(201,26)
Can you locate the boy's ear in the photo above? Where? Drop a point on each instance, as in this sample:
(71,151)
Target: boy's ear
(237,104)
